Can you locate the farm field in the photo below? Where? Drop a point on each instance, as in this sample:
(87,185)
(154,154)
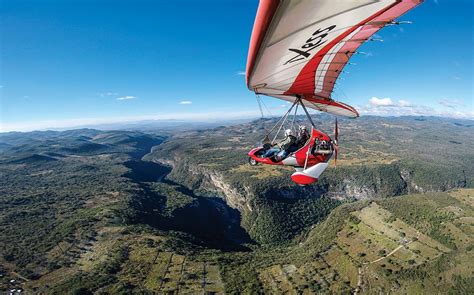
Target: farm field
(370,250)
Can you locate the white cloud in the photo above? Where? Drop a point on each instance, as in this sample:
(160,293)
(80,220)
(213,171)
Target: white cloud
(381,102)
(404,103)
(185,102)
(451,103)
(387,102)
(128,97)
(386,107)
(104,94)
(241,73)
(457,78)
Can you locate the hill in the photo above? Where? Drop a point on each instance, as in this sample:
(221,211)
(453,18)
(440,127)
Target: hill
(130,211)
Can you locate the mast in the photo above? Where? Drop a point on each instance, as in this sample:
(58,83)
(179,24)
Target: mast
(300,101)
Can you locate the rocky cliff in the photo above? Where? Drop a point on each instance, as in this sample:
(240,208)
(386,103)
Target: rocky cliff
(213,162)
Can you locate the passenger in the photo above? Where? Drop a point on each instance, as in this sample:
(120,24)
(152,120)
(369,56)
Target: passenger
(303,136)
(283,146)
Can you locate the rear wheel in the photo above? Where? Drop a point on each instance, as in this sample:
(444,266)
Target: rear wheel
(252,161)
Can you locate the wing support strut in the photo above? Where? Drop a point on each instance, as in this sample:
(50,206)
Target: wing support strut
(300,101)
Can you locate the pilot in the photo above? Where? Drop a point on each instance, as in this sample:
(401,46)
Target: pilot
(283,146)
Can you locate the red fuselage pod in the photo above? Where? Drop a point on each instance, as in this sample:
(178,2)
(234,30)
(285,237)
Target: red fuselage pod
(304,158)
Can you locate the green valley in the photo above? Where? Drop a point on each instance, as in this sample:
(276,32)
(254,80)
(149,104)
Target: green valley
(180,211)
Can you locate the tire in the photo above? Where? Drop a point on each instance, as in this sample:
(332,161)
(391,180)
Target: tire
(252,162)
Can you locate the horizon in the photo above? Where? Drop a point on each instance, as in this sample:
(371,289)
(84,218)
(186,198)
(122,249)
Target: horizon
(173,123)
(125,64)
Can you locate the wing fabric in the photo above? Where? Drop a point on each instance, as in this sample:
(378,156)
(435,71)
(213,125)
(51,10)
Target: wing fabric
(299,48)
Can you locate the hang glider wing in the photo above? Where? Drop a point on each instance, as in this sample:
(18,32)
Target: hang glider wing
(299,48)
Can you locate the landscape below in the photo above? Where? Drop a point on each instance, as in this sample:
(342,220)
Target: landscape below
(181,211)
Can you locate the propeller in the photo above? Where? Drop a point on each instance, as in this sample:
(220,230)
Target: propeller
(335,143)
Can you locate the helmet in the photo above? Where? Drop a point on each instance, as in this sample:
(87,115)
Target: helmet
(288,132)
(302,127)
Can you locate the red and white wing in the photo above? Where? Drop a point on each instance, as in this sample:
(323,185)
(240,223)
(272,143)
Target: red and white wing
(299,48)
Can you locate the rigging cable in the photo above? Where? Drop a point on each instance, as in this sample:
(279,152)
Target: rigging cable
(283,121)
(257,96)
(268,110)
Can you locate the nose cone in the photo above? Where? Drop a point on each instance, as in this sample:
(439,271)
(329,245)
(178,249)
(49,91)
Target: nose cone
(253,151)
(303,179)
(309,175)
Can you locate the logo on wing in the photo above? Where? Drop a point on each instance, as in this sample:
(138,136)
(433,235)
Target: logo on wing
(317,39)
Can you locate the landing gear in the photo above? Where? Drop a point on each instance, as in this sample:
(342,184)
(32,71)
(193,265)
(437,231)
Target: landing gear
(252,162)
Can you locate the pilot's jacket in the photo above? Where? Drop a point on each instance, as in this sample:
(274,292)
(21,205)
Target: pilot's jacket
(287,142)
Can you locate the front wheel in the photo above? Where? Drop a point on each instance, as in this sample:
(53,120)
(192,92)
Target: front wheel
(252,162)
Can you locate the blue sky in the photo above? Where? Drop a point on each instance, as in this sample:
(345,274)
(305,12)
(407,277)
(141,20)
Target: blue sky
(68,63)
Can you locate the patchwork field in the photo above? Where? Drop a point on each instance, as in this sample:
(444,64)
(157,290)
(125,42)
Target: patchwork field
(145,263)
(376,251)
